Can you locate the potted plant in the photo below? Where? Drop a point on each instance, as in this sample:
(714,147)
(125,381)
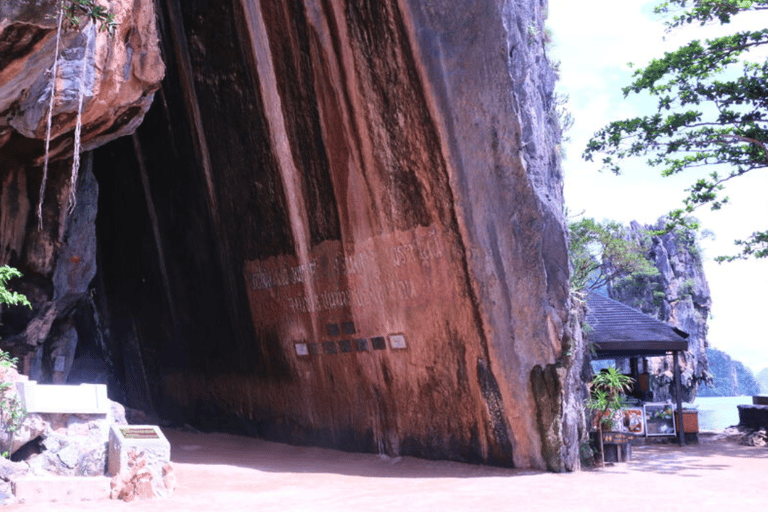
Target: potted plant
(606,397)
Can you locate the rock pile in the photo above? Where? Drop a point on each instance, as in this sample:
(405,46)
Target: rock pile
(756,438)
(71,444)
(140,481)
(76,444)
(746,436)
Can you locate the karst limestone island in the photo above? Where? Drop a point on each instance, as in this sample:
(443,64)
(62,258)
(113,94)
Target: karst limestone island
(325,222)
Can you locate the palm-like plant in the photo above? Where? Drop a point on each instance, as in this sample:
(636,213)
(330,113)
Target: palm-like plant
(606,397)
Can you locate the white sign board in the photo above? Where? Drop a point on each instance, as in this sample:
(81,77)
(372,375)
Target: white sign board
(56,398)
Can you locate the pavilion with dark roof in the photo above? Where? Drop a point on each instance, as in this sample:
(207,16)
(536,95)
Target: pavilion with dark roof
(619,331)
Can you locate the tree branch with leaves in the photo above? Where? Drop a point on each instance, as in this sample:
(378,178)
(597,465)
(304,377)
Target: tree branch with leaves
(711,110)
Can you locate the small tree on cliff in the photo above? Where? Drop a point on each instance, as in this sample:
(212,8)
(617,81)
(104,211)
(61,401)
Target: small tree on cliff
(712,110)
(601,251)
(76,10)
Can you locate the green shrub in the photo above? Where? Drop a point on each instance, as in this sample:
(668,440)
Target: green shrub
(11,411)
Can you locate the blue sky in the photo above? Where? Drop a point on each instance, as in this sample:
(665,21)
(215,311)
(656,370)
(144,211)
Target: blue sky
(594,40)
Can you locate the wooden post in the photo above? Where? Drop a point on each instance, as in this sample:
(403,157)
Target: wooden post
(679,398)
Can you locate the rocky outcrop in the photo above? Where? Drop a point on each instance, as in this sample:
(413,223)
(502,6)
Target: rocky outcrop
(117,76)
(377,242)
(560,393)
(66,444)
(762,380)
(71,444)
(342,225)
(678,295)
(729,377)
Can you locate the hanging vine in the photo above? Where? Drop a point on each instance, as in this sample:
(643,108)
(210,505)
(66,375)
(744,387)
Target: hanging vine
(78,128)
(73,11)
(60,17)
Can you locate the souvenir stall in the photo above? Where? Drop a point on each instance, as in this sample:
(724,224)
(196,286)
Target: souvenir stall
(618,331)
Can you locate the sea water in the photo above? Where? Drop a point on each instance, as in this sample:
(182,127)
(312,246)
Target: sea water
(719,412)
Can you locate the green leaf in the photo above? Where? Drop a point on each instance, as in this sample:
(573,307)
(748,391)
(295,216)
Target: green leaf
(10,297)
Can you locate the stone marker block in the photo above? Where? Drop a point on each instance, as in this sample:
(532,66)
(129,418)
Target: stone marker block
(139,460)
(61,489)
(53,398)
(148,439)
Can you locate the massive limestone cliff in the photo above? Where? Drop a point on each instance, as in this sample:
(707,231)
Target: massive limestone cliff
(678,295)
(340,223)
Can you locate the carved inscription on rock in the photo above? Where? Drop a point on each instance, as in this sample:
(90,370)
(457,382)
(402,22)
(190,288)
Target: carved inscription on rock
(405,269)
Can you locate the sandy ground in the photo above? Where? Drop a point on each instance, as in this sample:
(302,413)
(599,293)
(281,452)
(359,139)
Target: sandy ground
(230,473)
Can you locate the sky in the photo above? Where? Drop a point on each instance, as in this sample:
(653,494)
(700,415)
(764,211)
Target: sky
(594,40)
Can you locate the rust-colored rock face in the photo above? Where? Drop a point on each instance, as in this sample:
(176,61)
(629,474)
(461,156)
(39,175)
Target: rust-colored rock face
(386,209)
(342,225)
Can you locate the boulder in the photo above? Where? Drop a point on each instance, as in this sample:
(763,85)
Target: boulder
(757,438)
(75,444)
(9,472)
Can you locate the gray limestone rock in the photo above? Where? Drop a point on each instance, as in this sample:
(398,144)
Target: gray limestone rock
(72,444)
(678,295)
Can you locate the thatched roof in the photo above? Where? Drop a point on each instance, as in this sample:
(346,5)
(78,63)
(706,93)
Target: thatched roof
(618,330)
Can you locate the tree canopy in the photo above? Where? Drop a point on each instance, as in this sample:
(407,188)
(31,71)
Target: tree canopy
(711,112)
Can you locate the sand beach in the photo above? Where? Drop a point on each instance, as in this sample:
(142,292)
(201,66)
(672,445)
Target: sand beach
(220,472)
